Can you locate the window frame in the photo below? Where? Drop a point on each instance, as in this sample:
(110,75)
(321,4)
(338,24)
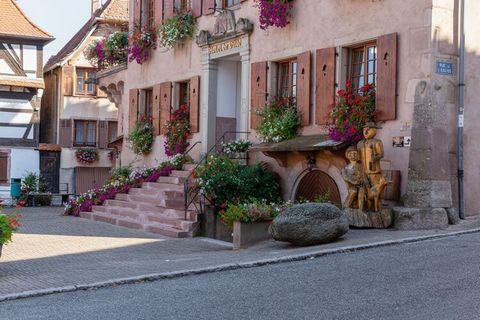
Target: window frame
(292,75)
(365,46)
(235,3)
(85,73)
(85,123)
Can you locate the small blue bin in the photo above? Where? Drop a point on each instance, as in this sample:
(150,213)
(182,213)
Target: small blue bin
(15,187)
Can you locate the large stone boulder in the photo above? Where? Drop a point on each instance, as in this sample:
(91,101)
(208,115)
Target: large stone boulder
(309,224)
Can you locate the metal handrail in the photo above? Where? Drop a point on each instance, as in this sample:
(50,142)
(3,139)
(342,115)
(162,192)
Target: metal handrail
(186,186)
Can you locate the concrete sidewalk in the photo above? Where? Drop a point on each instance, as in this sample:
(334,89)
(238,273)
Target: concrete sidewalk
(53,253)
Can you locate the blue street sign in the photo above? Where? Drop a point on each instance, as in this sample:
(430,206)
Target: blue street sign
(445,68)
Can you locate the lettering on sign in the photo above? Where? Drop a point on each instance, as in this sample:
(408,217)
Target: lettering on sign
(224,46)
(445,68)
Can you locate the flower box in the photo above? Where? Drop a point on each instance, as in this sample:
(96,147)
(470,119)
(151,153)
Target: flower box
(246,234)
(212,226)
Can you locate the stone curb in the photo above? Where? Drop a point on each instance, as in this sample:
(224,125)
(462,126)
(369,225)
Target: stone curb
(227,267)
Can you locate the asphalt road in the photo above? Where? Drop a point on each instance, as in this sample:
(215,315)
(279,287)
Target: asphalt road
(437,279)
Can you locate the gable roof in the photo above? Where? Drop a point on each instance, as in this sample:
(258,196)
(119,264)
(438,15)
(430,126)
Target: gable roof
(114,11)
(14,23)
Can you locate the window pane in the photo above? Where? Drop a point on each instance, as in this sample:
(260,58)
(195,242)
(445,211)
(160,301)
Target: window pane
(283,80)
(358,69)
(79,139)
(372,53)
(112,130)
(358,56)
(91,133)
(148,103)
(80,83)
(371,78)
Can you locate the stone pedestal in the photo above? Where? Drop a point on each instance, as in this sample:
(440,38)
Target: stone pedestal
(420,218)
(250,233)
(368,219)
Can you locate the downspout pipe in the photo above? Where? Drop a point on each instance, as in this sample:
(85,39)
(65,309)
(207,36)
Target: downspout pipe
(461,111)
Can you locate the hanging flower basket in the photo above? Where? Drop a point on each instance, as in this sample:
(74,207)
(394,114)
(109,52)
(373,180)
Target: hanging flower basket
(177,29)
(86,155)
(140,42)
(110,51)
(274,13)
(141,138)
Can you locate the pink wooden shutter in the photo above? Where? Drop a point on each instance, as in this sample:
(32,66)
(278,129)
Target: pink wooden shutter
(197,8)
(165,104)
(386,94)
(194,104)
(303,87)
(325,85)
(258,91)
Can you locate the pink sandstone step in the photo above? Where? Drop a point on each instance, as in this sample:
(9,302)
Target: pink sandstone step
(99,208)
(167,231)
(172,180)
(180,173)
(163,186)
(118,203)
(126,213)
(179,224)
(143,191)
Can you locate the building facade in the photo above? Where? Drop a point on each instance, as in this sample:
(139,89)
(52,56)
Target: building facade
(76,113)
(21,88)
(407,49)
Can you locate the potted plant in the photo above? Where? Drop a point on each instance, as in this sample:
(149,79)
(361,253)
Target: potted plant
(176,29)
(279,121)
(351,112)
(8,224)
(237,150)
(141,138)
(250,221)
(109,51)
(274,13)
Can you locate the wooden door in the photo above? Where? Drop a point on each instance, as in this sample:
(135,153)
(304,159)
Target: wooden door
(50,170)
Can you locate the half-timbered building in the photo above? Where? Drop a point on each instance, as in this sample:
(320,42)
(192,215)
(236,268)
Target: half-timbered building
(21,88)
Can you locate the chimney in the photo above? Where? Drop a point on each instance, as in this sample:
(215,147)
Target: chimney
(96,4)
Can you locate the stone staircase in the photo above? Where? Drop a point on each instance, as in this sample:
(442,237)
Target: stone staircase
(156,207)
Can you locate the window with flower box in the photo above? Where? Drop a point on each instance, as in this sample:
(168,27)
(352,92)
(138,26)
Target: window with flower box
(363,65)
(83,86)
(85,133)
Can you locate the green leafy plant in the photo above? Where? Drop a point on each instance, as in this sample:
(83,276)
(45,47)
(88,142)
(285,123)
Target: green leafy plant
(280,121)
(8,224)
(253,210)
(109,51)
(141,137)
(223,180)
(177,28)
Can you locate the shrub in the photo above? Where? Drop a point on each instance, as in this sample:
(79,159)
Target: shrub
(280,121)
(236,146)
(177,28)
(8,224)
(223,180)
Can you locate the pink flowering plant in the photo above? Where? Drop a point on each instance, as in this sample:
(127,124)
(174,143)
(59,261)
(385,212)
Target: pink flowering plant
(352,110)
(109,51)
(140,41)
(274,13)
(86,155)
(178,129)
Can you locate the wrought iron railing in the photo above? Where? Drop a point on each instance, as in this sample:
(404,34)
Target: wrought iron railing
(192,192)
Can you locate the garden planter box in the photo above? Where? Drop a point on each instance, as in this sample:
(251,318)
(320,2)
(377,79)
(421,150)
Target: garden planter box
(250,233)
(212,226)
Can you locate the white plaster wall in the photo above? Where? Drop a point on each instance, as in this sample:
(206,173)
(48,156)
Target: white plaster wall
(80,107)
(5,68)
(29,57)
(15,104)
(23,160)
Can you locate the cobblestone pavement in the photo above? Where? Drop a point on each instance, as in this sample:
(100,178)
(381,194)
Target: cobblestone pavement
(51,251)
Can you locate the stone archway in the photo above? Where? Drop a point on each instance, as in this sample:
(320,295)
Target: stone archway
(315,183)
